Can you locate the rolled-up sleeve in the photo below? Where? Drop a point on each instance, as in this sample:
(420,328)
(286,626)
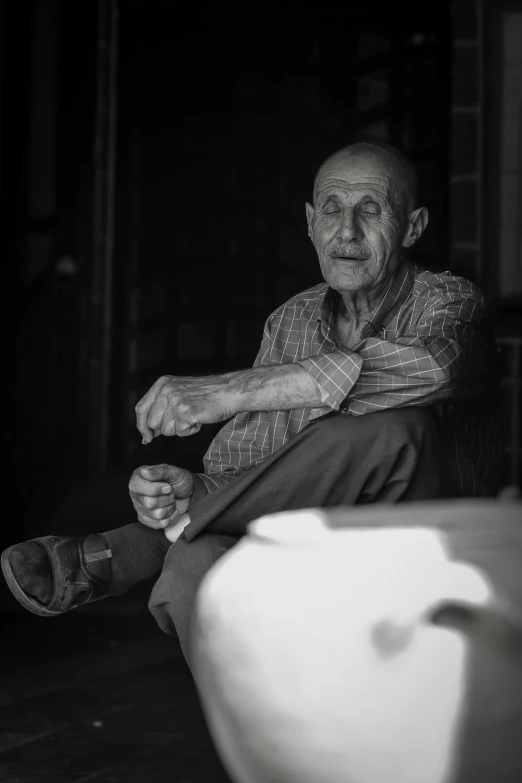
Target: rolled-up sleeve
(336,374)
(449,355)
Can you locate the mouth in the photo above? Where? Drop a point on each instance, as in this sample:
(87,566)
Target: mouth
(347,258)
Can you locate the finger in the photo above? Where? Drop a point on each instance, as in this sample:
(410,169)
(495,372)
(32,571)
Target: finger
(179,478)
(169,427)
(170,520)
(177,426)
(140,486)
(163,513)
(158,523)
(161,502)
(157,411)
(154,472)
(191,429)
(143,408)
(155,434)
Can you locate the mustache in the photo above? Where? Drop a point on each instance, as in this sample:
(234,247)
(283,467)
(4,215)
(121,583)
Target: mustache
(347,250)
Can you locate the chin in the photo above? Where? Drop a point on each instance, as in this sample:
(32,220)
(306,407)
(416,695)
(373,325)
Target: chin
(349,282)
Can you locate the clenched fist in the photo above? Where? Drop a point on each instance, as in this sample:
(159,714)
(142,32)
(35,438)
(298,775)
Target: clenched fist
(160,494)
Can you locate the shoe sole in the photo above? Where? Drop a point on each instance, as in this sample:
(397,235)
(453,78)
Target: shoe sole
(23,598)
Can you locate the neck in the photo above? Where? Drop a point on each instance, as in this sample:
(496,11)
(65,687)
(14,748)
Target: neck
(359,305)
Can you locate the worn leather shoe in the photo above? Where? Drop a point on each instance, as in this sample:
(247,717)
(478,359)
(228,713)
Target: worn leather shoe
(53,574)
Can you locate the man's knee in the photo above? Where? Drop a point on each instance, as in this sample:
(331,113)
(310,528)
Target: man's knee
(394,455)
(172,599)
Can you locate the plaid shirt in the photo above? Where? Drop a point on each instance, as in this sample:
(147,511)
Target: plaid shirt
(428,343)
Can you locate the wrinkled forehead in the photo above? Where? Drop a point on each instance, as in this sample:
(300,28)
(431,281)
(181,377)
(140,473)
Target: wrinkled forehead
(359,172)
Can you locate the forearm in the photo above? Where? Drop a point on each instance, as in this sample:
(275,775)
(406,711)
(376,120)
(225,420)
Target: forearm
(278,387)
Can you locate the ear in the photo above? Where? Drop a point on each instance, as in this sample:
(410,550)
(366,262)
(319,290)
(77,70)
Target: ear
(309,217)
(417,222)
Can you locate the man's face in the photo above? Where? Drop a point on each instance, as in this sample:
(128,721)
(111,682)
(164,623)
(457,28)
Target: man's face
(358,222)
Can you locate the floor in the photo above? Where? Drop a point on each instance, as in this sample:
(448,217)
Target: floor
(99,694)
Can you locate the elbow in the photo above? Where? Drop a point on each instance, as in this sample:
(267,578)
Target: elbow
(444,376)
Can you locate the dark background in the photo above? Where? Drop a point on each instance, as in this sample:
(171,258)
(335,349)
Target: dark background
(156,159)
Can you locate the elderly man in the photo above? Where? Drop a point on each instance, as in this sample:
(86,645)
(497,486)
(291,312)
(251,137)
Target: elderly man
(377,386)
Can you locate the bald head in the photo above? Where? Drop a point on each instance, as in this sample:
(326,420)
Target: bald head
(402,174)
(364,218)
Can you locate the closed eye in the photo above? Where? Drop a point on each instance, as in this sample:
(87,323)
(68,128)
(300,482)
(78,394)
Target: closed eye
(370,209)
(331,208)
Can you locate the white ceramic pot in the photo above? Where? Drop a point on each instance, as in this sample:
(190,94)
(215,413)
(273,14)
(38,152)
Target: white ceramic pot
(317,658)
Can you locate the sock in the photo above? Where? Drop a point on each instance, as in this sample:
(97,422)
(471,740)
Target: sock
(174,531)
(138,553)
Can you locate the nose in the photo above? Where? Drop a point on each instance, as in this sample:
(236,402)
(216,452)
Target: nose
(349,230)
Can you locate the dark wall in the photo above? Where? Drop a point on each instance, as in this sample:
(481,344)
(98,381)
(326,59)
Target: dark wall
(224,116)
(224,113)
(47,101)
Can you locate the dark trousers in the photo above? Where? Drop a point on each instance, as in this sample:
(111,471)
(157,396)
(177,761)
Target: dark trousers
(388,457)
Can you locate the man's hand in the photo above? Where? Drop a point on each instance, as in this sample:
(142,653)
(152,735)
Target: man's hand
(160,494)
(180,406)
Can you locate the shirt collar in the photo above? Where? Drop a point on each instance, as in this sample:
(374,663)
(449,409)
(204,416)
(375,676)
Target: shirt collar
(398,291)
